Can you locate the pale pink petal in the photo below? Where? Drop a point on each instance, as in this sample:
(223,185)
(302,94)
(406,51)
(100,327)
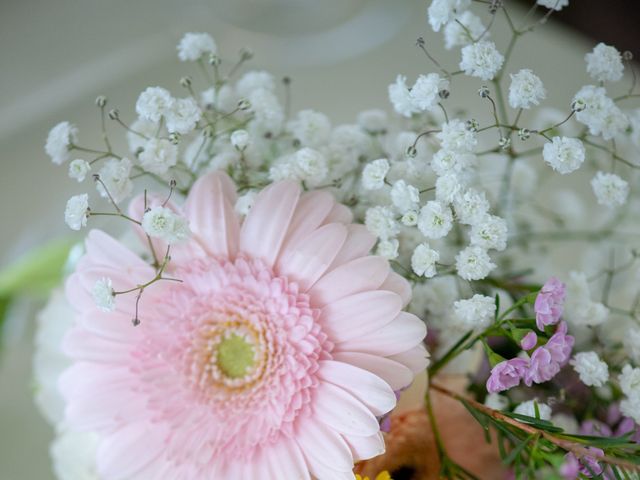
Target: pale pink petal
(403,333)
(394,372)
(285,460)
(107,251)
(129,449)
(307,262)
(398,284)
(359,275)
(339,213)
(323,445)
(370,389)
(359,242)
(81,345)
(416,359)
(355,315)
(364,448)
(343,412)
(212,218)
(266,225)
(312,209)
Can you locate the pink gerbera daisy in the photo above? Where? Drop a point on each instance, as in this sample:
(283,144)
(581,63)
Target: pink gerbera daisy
(272,358)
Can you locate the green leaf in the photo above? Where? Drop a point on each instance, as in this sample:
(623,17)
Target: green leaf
(36,272)
(515,453)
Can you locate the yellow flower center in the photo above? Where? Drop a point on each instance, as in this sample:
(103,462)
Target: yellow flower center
(236,356)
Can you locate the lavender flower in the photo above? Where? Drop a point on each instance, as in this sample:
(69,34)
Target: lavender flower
(587,465)
(549,303)
(507,374)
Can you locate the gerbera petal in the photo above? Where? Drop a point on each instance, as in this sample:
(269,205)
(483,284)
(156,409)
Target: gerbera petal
(266,225)
(359,242)
(355,315)
(394,372)
(359,275)
(416,359)
(307,262)
(343,412)
(126,451)
(82,345)
(370,389)
(403,333)
(339,213)
(310,213)
(285,460)
(323,445)
(364,448)
(106,250)
(398,284)
(210,211)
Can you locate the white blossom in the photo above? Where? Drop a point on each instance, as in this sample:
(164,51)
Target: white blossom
(404,196)
(410,218)
(115,176)
(456,137)
(310,166)
(425,92)
(103,295)
(474,263)
(268,114)
(388,248)
(442,12)
(78,169)
(76,212)
(476,312)
(604,63)
(566,422)
(138,134)
(423,260)
(564,154)
(481,59)
(245,202)
(153,103)
(528,408)
(489,233)
(526,89)
(448,161)
(381,222)
(448,188)
(59,142)
(255,80)
(496,401)
(401,98)
(553,4)
(632,343)
(593,372)
(373,121)
(435,220)
(158,156)
(240,139)
(311,128)
(579,309)
(193,46)
(183,115)
(471,207)
(630,385)
(160,222)
(465,29)
(600,113)
(374,173)
(610,189)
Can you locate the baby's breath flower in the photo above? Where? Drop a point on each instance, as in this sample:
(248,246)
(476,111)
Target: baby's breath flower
(489,233)
(388,248)
(114,174)
(194,46)
(373,121)
(76,212)
(401,98)
(526,89)
(456,137)
(158,156)
(59,141)
(311,128)
(446,161)
(103,295)
(161,222)
(604,63)
(471,207)
(310,166)
(465,29)
(529,408)
(374,173)
(476,312)
(404,196)
(255,80)
(423,260)
(410,218)
(564,154)
(153,103)
(482,60)
(381,222)
(240,139)
(610,189)
(474,263)
(435,220)
(78,169)
(593,372)
(448,188)
(442,12)
(183,115)
(425,92)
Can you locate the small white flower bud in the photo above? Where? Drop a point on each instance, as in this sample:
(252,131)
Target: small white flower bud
(240,139)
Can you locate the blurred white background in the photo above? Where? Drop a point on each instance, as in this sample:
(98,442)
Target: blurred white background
(56,56)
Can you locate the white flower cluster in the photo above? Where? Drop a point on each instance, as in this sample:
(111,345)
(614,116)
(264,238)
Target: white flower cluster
(422,97)
(579,308)
(630,386)
(474,313)
(161,222)
(593,372)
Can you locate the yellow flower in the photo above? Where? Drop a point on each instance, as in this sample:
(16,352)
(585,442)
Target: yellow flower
(381,476)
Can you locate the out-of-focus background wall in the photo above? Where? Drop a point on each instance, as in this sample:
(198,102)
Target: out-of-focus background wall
(56,56)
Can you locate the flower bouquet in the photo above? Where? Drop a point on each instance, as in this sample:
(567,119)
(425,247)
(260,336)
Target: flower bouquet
(242,328)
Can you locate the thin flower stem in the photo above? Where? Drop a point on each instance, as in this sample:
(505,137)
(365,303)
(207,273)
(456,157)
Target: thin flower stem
(119,214)
(614,155)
